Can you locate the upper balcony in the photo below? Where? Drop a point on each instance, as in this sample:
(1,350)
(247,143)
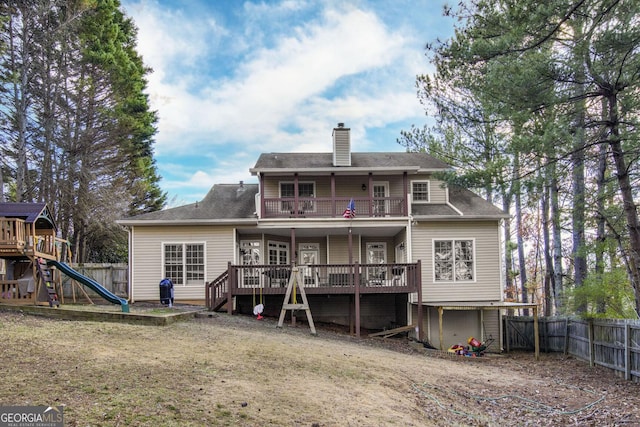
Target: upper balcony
(333,207)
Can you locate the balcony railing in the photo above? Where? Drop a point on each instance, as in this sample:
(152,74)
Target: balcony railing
(327,207)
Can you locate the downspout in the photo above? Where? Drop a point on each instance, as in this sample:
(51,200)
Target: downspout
(419,296)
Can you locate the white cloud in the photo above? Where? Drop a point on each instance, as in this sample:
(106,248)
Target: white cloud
(272,76)
(273,87)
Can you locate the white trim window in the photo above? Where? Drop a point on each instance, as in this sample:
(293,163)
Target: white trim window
(453,260)
(183,263)
(421,191)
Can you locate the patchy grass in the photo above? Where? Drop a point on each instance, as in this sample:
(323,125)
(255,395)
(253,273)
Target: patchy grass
(234,370)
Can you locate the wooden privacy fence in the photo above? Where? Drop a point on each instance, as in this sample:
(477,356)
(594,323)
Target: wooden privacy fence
(113,277)
(614,344)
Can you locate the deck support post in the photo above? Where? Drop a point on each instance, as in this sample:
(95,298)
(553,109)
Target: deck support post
(356,297)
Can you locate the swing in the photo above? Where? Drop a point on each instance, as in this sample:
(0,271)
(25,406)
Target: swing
(259,308)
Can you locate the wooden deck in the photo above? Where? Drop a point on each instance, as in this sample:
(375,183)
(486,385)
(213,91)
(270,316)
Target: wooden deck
(319,279)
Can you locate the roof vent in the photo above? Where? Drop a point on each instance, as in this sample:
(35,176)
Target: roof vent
(341,146)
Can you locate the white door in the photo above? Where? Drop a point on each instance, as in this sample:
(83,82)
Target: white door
(376,254)
(380,202)
(250,254)
(309,255)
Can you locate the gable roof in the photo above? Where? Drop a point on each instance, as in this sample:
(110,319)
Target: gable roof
(281,162)
(236,202)
(37,213)
(223,202)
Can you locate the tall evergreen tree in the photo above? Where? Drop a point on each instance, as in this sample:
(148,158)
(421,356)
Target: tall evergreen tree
(562,59)
(77,128)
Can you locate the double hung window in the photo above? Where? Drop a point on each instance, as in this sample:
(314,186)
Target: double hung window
(420,191)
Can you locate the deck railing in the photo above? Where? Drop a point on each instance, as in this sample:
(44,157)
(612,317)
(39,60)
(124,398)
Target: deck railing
(326,276)
(216,291)
(319,207)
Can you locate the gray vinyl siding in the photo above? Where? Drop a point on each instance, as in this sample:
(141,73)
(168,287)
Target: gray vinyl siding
(351,186)
(491,328)
(438,191)
(487,284)
(147,258)
(346,186)
(338,250)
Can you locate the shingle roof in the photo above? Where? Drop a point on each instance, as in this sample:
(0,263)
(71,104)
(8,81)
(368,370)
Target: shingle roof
(30,212)
(224,201)
(358,160)
(471,204)
(237,201)
(462,203)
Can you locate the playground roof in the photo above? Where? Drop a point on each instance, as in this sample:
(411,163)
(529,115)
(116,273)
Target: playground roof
(37,213)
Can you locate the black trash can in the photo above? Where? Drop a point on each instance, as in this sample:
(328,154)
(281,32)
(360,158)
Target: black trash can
(166,292)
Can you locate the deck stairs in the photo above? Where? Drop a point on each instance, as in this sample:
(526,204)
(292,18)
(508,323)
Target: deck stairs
(216,291)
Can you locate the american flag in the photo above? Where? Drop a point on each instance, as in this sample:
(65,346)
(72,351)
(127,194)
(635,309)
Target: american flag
(350,212)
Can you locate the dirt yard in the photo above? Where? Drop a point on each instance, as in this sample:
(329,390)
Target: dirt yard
(235,370)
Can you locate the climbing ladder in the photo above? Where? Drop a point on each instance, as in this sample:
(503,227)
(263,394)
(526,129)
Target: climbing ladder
(295,280)
(46,279)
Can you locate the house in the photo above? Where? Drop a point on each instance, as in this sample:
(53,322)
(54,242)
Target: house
(379,240)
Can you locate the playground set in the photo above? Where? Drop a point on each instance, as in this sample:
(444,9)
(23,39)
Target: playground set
(33,258)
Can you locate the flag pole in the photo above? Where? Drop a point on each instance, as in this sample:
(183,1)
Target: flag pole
(350,213)
(350,245)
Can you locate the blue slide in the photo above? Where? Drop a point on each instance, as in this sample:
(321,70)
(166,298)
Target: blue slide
(97,287)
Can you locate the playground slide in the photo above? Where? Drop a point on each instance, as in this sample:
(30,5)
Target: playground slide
(97,287)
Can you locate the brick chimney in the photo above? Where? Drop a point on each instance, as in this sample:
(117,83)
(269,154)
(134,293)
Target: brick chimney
(341,146)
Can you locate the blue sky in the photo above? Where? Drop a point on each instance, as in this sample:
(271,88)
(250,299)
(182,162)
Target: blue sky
(234,79)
